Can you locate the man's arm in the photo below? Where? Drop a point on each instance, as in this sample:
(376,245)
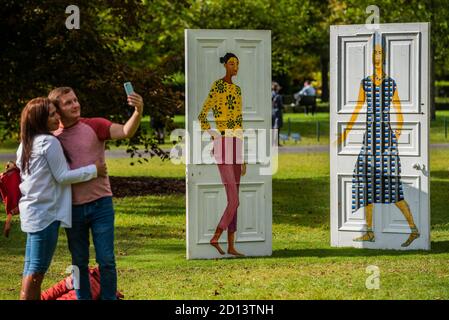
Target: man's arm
(120,131)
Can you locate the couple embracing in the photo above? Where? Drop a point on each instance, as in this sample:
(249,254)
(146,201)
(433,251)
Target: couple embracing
(59,148)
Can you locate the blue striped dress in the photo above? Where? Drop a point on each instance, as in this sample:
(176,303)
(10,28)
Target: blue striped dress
(376,176)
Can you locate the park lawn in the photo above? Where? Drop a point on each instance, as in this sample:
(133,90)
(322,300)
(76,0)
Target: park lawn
(439,132)
(150,246)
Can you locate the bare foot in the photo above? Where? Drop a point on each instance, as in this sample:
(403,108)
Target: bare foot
(215,244)
(369,236)
(235,252)
(414,235)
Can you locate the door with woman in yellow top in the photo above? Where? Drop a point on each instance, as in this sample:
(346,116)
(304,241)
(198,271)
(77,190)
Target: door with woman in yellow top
(225,101)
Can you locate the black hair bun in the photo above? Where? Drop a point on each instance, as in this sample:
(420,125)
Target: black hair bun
(227,56)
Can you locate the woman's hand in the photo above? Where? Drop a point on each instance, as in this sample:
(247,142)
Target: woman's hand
(102,170)
(243,169)
(10,165)
(214,134)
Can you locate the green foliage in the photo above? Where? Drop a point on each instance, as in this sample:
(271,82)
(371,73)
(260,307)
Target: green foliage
(40,53)
(143,42)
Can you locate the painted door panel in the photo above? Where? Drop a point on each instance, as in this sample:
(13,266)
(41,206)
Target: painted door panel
(406,49)
(206,196)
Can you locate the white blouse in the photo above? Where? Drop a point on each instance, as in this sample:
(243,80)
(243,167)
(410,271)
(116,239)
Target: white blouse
(46,191)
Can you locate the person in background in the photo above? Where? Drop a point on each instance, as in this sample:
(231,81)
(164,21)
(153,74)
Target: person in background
(307,97)
(276,111)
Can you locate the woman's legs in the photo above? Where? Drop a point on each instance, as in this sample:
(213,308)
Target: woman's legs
(405,209)
(214,240)
(227,152)
(230,175)
(231,247)
(369,235)
(232,228)
(31,286)
(39,252)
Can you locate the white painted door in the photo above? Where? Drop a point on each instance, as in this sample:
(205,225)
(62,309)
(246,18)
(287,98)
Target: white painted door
(206,196)
(406,49)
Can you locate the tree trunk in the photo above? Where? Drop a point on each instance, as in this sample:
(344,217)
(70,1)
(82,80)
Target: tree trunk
(324,78)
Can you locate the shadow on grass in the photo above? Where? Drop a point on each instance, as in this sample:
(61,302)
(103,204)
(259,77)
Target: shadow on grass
(440,174)
(301,202)
(139,234)
(150,210)
(305,201)
(439,202)
(438,247)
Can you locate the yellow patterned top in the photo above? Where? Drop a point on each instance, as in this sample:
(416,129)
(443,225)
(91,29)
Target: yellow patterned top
(225,100)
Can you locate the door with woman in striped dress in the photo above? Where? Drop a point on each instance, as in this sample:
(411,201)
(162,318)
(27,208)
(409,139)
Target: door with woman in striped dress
(377,172)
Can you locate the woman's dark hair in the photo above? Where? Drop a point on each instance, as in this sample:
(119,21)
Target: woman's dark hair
(33,121)
(227,56)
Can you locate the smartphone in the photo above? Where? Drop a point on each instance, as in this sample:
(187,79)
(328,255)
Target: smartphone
(128,88)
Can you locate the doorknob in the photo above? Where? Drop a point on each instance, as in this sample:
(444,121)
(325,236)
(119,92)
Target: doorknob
(418,166)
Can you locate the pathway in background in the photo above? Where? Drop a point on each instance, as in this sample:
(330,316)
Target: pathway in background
(284,149)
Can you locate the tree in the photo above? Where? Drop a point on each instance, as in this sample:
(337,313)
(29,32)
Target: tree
(39,53)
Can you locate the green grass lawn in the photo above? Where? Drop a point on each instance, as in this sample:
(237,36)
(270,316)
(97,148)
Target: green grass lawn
(150,246)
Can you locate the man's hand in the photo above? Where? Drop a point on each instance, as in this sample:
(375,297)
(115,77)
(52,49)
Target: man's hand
(135,100)
(119,131)
(102,170)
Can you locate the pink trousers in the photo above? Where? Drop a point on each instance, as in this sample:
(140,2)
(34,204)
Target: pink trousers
(227,153)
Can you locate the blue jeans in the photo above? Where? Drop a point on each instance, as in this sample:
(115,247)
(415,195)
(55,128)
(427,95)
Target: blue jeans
(40,248)
(98,216)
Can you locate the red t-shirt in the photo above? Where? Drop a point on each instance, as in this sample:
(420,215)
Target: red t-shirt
(85,143)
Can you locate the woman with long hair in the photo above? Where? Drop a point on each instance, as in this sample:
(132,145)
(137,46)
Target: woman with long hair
(225,101)
(46,200)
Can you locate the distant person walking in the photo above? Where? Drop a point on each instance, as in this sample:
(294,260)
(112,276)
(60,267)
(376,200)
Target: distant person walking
(276,112)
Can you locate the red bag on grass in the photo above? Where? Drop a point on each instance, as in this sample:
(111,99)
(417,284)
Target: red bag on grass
(10,192)
(64,290)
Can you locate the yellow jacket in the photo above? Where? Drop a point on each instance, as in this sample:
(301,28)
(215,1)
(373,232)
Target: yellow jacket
(225,100)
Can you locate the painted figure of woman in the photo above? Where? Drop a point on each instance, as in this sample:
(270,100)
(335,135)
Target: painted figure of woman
(225,101)
(377,172)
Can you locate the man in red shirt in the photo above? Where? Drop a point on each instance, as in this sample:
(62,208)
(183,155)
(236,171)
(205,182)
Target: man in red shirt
(84,142)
